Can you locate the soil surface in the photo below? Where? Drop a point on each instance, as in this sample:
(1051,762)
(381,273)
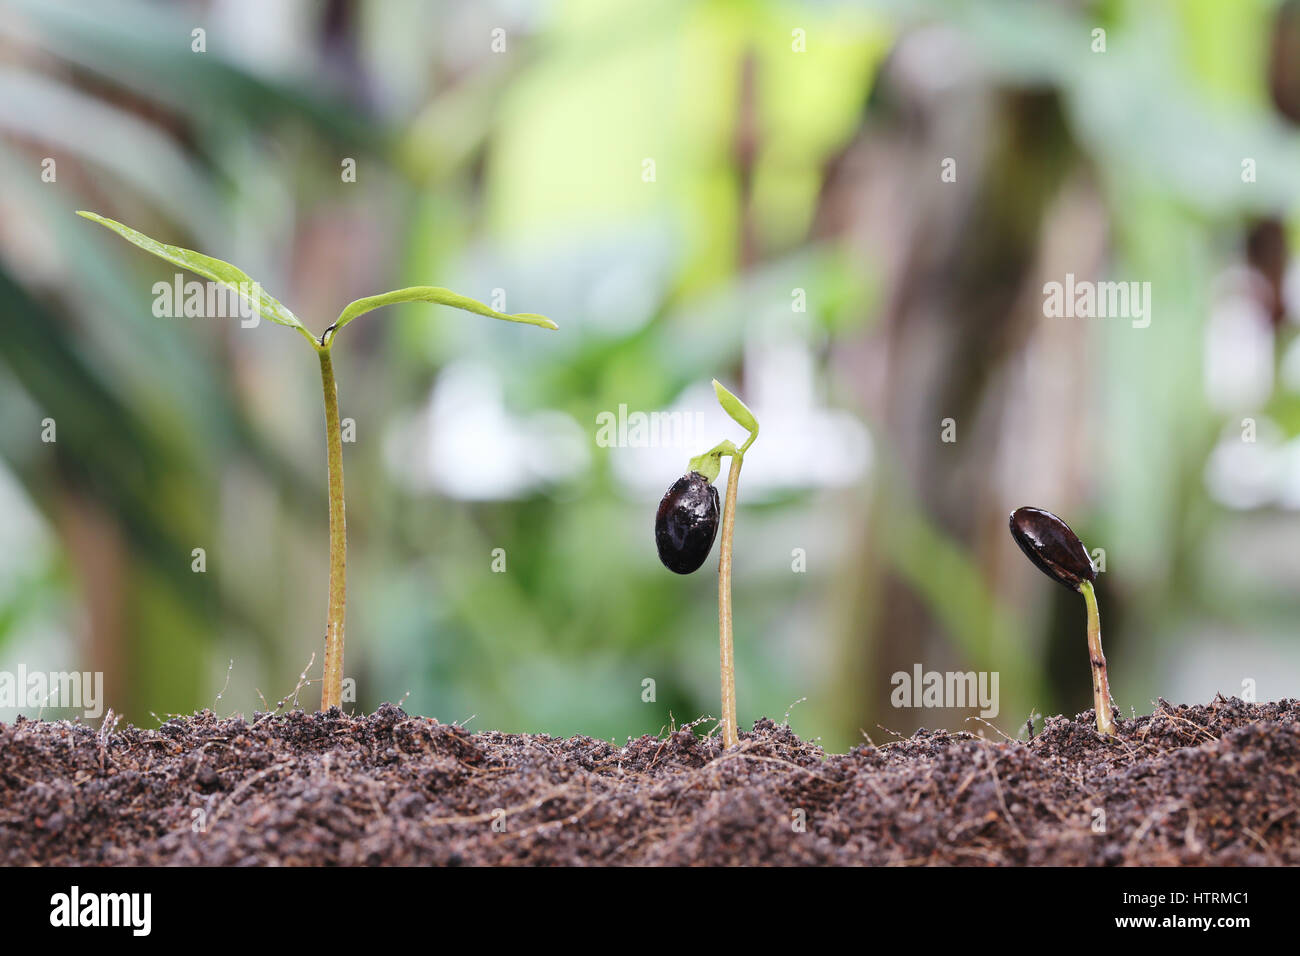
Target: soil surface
(1218,784)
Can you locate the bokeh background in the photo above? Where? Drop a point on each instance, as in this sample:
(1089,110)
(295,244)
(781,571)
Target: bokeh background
(744,190)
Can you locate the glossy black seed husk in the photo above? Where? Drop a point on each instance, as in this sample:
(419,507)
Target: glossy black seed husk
(686,523)
(1052,546)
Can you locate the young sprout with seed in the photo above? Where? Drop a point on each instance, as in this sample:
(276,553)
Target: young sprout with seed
(687,523)
(1057,551)
(223,273)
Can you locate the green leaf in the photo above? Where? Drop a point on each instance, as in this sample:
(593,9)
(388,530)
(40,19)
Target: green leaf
(737,409)
(428,293)
(215,270)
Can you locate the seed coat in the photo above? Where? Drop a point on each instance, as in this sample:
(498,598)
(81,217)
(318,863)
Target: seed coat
(1053,548)
(686,523)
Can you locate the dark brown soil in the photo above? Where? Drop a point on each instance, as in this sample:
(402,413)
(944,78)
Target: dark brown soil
(1188,785)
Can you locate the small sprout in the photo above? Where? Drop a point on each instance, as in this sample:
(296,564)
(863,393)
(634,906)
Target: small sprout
(1057,551)
(686,524)
(223,273)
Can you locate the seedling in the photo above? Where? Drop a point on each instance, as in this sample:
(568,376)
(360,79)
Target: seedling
(686,524)
(223,273)
(1057,552)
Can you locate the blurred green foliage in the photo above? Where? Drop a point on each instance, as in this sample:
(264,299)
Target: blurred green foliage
(525,169)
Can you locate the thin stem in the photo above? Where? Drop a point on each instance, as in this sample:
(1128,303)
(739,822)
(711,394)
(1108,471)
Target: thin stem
(1100,682)
(332,684)
(726,646)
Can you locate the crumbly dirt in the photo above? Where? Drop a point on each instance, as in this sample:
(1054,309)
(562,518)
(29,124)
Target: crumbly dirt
(1218,784)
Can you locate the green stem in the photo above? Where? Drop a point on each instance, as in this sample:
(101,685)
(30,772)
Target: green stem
(1100,680)
(332,683)
(726,645)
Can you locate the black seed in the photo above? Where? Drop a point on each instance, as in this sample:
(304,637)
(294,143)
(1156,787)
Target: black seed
(687,523)
(1052,546)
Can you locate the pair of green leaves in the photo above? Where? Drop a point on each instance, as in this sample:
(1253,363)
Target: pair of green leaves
(709,464)
(267,307)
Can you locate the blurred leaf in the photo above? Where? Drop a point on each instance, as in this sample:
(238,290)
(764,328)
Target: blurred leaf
(138,153)
(147,48)
(29,594)
(105,449)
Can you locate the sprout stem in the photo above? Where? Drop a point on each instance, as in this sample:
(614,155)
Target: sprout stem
(1100,682)
(332,683)
(726,645)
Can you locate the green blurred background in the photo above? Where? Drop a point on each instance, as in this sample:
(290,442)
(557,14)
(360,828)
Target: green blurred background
(744,190)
